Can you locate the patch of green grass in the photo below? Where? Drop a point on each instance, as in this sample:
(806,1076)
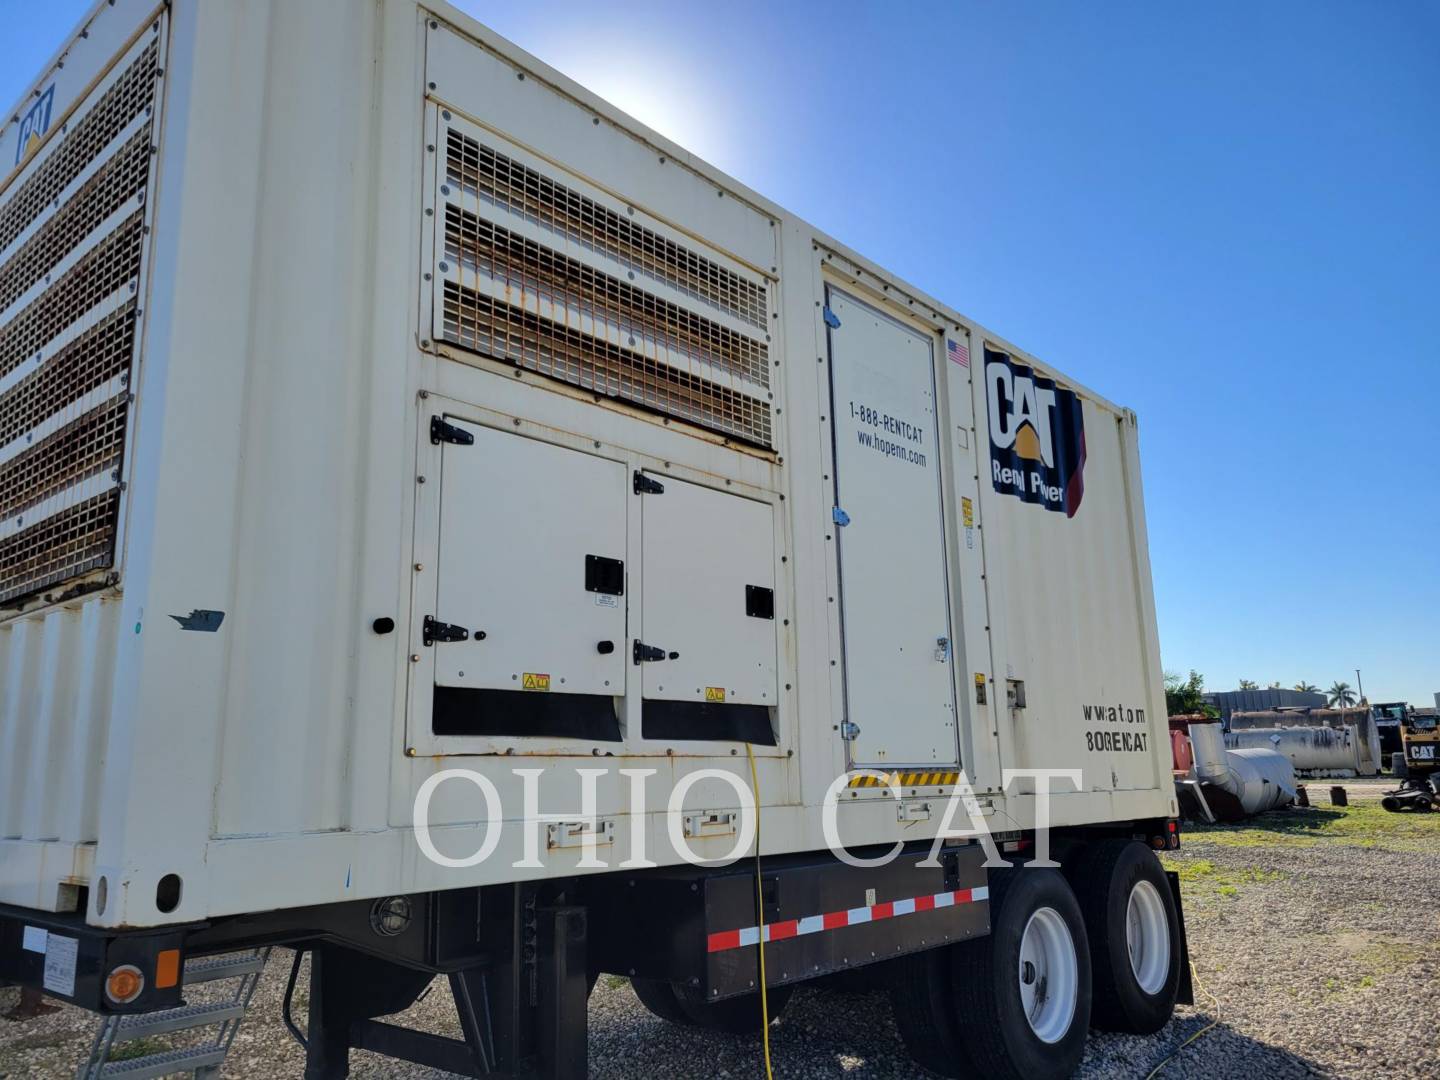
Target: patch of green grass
(1190,870)
(1371,959)
(1201,879)
(1362,824)
(1201,876)
(1388,957)
(135,1048)
(614,982)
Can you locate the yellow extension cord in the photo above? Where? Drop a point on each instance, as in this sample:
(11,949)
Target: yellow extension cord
(1195,975)
(760,906)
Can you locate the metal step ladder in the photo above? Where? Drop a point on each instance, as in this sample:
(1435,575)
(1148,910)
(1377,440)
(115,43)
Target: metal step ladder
(203,1058)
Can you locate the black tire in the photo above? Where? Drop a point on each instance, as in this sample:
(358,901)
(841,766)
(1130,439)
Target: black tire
(661,999)
(1103,876)
(861,980)
(736,1015)
(922,998)
(996,1037)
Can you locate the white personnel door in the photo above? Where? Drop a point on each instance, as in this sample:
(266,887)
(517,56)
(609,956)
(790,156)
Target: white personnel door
(894,596)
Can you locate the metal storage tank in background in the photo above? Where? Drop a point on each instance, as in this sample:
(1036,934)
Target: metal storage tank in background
(1317,751)
(1233,701)
(1360,721)
(1233,784)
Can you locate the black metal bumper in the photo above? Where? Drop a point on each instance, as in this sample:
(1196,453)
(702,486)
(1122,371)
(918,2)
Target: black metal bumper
(61,955)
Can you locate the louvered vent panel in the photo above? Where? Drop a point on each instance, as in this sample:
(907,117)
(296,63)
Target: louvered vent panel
(537,273)
(72,233)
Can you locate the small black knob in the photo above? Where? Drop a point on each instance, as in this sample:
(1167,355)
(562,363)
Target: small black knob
(605,648)
(383,625)
(674,656)
(479,635)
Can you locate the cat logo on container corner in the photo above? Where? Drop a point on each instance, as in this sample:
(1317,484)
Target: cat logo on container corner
(1037,435)
(34,124)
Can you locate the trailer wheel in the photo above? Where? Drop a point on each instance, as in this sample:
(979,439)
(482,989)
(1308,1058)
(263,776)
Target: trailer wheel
(661,998)
(1134,934)
(736,1015)
(1022,995)
(922,999)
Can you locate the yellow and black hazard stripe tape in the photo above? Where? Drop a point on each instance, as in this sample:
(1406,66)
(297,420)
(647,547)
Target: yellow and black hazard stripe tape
(905,779)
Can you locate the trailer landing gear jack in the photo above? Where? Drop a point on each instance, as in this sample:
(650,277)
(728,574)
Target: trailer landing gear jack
(521,1014)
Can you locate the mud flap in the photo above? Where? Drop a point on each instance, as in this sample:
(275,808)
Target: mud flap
(1185,993)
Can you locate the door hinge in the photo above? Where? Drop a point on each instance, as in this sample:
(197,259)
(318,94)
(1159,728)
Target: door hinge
(831,319)
(647,654)
(849,731)
(443,632)
(440,431)
(645,485)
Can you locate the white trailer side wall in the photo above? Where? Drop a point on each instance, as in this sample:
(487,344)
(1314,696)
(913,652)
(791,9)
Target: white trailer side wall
(290,372)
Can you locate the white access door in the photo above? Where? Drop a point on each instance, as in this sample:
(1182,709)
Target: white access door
(894,595)
(708,563)
(532,549)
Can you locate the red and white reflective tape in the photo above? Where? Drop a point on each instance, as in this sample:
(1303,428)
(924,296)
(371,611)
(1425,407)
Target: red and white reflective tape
(834,920)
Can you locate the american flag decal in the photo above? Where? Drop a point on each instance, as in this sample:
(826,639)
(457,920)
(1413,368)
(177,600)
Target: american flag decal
(959,352)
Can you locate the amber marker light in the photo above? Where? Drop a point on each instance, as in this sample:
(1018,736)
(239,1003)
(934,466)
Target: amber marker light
(124,983)
(167,969)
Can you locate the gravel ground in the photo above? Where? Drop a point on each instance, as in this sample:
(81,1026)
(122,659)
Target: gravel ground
(1317,932)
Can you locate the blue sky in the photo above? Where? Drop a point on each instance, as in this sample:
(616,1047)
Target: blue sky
(1226,216)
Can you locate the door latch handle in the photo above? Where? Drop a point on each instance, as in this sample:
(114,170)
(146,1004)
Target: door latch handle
(942,649)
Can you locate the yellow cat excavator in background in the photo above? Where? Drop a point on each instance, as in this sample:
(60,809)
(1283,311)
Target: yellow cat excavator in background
(1416,765)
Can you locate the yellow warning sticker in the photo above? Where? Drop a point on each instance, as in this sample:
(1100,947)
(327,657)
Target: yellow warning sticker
(714,693)
(967,510)
(533,680)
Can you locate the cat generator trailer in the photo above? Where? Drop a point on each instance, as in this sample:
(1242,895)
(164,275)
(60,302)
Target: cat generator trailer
(448,529)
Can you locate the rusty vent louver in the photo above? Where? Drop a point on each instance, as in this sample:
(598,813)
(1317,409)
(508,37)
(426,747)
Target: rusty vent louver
(72,229)
(536,273)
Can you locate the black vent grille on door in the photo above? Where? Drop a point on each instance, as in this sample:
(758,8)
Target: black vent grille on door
(535,273)
(72,233)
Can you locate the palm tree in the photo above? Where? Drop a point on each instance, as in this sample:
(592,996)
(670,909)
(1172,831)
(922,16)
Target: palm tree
(1341,696)
(1274,685)
(1248,684)
(1307,687)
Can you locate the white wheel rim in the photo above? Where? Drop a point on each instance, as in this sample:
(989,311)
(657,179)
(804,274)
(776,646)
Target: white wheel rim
(1049,975)
(1147,934)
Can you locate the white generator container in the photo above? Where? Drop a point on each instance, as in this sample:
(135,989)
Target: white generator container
(375,401)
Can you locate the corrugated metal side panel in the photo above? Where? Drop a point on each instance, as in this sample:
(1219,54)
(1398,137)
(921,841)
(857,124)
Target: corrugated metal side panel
(55,713)
(1068,620)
